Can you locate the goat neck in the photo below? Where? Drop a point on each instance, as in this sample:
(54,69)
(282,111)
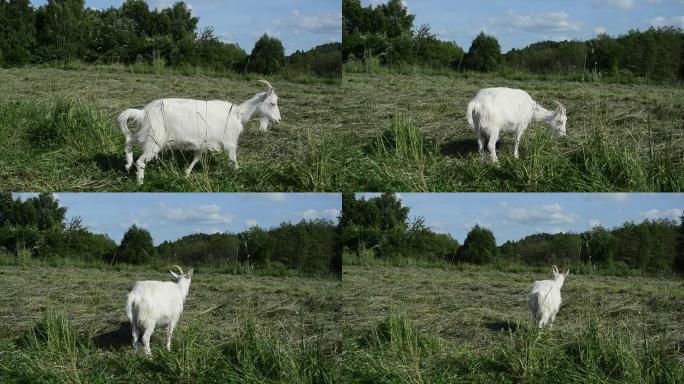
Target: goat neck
(184,286)
(542,114)
(247,108)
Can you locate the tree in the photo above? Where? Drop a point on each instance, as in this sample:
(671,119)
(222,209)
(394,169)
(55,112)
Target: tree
(679,255)
(479,246)
(484,54)
(17,32)
(268,56)
(136,247)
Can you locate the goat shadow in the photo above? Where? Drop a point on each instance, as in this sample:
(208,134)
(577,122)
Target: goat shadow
(497,326)
(109,161)
(116,162)
(115,339)
(462,147)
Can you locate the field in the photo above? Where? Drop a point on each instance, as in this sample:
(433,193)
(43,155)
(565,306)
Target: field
(620,137)
(69,325)
(58,132)
(374,133)
(439,325)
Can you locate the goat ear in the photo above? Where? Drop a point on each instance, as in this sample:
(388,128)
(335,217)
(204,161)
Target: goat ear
(189,275)
(173,274)
(567,272)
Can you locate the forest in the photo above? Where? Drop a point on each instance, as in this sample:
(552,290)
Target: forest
(65,31)
(385,35)
(380,228)
(36,230)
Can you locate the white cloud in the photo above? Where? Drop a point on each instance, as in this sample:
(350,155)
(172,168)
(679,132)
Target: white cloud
(599,30)
(660,21)
(652,214)
(311,214)
(552,214)
(622,4)
(318,24)
(209,214)
(251,223)
(655,1)
(541,22)
(594,223)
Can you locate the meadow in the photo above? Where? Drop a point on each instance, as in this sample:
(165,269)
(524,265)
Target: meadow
(69,325)
(58,131)
(619,137)
(438,325)
(375,132)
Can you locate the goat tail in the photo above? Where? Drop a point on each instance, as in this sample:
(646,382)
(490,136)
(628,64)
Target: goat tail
(469,114)
(136,115)
(130,302)
(535,302)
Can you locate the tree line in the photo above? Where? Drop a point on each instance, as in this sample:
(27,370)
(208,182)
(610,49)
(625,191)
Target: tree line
(386,34)
(65,30)
(37,229)
(380,227)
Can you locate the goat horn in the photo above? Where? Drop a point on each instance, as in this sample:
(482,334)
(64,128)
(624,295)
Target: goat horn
(555,269)
(560,106)
(180,269)
(265,82)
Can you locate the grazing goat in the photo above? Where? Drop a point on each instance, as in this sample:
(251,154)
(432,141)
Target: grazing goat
(195,125)
(152,303)
(545,298)
(493,110)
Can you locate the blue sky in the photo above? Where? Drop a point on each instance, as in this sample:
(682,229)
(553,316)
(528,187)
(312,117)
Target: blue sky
(169,216)
(300,24)
(512,216)
(517,23)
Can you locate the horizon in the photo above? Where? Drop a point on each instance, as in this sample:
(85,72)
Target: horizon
(514,216)
(171,216)
(299,24)
(518,26)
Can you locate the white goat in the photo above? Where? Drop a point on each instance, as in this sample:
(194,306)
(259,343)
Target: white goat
(493,110)
(195,125)
(152,303)
(545,298)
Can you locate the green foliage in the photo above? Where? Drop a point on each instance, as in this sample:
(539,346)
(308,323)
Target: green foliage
(484,54)
(268,56)
(324,60)
(479,246)
(64,31)
(386,31)
(136,246)
(380,225)
(384,34)
(17,32)
(679,249)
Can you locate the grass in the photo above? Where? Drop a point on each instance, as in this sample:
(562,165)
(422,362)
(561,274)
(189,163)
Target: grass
(433,325)
(382,132)
(620,137)
(68,325)
(59,133)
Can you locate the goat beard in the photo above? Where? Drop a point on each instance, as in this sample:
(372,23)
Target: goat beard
(263,124)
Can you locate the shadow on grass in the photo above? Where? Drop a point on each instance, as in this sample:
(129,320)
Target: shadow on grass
(115,339)
(461,147)
(496,326)
(110,161)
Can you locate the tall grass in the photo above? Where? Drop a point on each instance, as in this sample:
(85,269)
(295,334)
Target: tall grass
(396,351)
(54,351)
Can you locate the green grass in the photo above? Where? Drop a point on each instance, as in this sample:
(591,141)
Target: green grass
(68,325)
(432,325)
(413,136)
(374,133)
(58,132)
